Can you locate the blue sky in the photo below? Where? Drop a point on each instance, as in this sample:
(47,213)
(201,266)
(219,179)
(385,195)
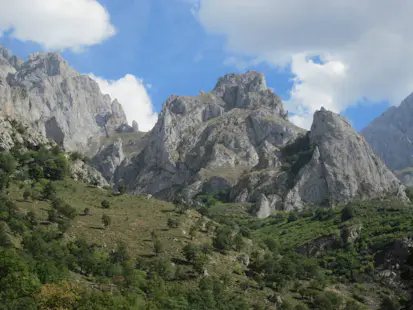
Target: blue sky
(176,52)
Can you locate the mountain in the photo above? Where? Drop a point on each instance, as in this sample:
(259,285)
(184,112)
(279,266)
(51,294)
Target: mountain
(56,100)
(391,135)
(236,142)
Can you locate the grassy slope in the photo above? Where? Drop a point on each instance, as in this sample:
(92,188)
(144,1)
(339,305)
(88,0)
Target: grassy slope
(133,219)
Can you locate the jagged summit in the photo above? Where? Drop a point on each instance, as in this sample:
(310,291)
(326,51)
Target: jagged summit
(56,100)
(236,126)
(391,135)
(342,167)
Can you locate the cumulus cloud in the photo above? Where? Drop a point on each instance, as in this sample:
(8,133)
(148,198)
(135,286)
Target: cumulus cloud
(132,94)
(365,47)
(56,24)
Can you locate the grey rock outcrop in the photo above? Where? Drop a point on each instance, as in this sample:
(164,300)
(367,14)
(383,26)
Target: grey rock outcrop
(82,172)
(342,167)
(135,126)
(391,137)
(109,158)
(234,140)
(210,139)
(55,100)
(13,134)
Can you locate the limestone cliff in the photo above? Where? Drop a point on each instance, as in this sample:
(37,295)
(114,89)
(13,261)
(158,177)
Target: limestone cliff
(236,141)
(56,100)
(391,135)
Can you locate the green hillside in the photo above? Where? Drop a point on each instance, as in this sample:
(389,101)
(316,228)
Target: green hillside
(70,245)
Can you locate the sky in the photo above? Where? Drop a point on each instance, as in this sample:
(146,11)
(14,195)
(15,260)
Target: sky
(352,57)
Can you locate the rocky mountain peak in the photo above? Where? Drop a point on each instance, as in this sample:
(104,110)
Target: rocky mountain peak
(56,100)
(342,166)
(391,134)
(252,81)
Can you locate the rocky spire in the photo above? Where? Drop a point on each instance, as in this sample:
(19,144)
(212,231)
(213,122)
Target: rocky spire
(342,167)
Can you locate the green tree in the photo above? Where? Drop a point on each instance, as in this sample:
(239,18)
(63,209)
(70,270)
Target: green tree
(105,204)
(190,252)
(347,213)
(5,240)
(223,239)
(27,193)
(106,220)
(49,191)
(193,232)
(7,163)
(173,223)
(158,247)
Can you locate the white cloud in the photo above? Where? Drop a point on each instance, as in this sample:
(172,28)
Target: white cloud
(366,46)
(56,24)
(132,94)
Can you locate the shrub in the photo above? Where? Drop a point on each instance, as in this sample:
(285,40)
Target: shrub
(106,220)
(223,239)
(105,204)
(49,191)
(190,252)
(27,193)
(347,213)
(173,223)
(158,247)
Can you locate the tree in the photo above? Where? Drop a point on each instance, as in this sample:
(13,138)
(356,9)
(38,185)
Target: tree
(7,163)
(193,231)
(223,239)
(190,252)
(31,217)
(105,204)
(5,240)
(106,220)
(173,223)
(347,213)
(158,247)
(154,234)
(27,193)
(239,242)
(49,191)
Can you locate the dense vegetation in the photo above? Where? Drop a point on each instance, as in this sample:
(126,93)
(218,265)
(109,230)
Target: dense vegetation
(68,245)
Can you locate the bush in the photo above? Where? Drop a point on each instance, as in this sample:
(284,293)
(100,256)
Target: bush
(190,252)
(158,247)
(223,239)
(27,193)
(106,220)
(105,204)
(292,217)
(347,213)
(49,191)
(173,223)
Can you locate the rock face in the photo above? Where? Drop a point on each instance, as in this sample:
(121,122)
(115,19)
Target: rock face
(55,100)
(82,172)
(108,159)
(207,142)
(342,167)
(391,135)
(13,134)
(233,141)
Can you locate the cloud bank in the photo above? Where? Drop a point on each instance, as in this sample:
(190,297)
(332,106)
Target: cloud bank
(56,24)
(364,48)
(132,94)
